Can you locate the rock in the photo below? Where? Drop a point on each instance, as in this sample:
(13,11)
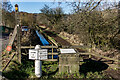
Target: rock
(81,44)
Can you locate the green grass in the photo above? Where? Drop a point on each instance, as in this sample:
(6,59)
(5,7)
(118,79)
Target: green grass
(19,71)
(26,70)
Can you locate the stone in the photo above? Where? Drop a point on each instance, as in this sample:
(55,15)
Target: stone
(69,63)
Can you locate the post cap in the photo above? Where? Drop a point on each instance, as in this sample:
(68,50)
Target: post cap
(16,7)
(37,47)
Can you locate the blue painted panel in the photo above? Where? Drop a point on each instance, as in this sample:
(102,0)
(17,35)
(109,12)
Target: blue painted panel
(42,39)
(54,56)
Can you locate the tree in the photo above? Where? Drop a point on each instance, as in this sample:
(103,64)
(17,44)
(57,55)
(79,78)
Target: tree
(95,26)
(8,17)
(98,28)
(53,15)
(84,6)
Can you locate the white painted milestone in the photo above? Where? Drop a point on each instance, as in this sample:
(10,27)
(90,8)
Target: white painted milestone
(38,54)
(67,51)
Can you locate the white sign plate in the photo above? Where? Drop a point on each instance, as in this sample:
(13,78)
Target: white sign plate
(43,52)
(38,54)
(43,57)
(67,51)
(33,54)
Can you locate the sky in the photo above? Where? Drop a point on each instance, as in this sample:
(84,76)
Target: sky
(34,7)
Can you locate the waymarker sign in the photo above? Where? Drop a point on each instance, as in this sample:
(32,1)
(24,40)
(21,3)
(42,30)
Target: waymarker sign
(38,54)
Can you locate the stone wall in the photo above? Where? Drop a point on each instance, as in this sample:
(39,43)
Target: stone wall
(69,63)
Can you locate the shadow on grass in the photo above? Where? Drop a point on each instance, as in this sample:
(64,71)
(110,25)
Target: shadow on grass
(50,68)
(15,75)
(92,66)
(49,75)
(53,73)
(19,71)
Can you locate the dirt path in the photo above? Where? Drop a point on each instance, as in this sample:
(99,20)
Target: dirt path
(58,39)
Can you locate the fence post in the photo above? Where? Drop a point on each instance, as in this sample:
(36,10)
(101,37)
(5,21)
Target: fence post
(52,51)
(18,33)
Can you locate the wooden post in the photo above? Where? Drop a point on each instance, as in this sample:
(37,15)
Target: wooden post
(52,51)
(90,54)
(18,33)
(119,14)
(19,45)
